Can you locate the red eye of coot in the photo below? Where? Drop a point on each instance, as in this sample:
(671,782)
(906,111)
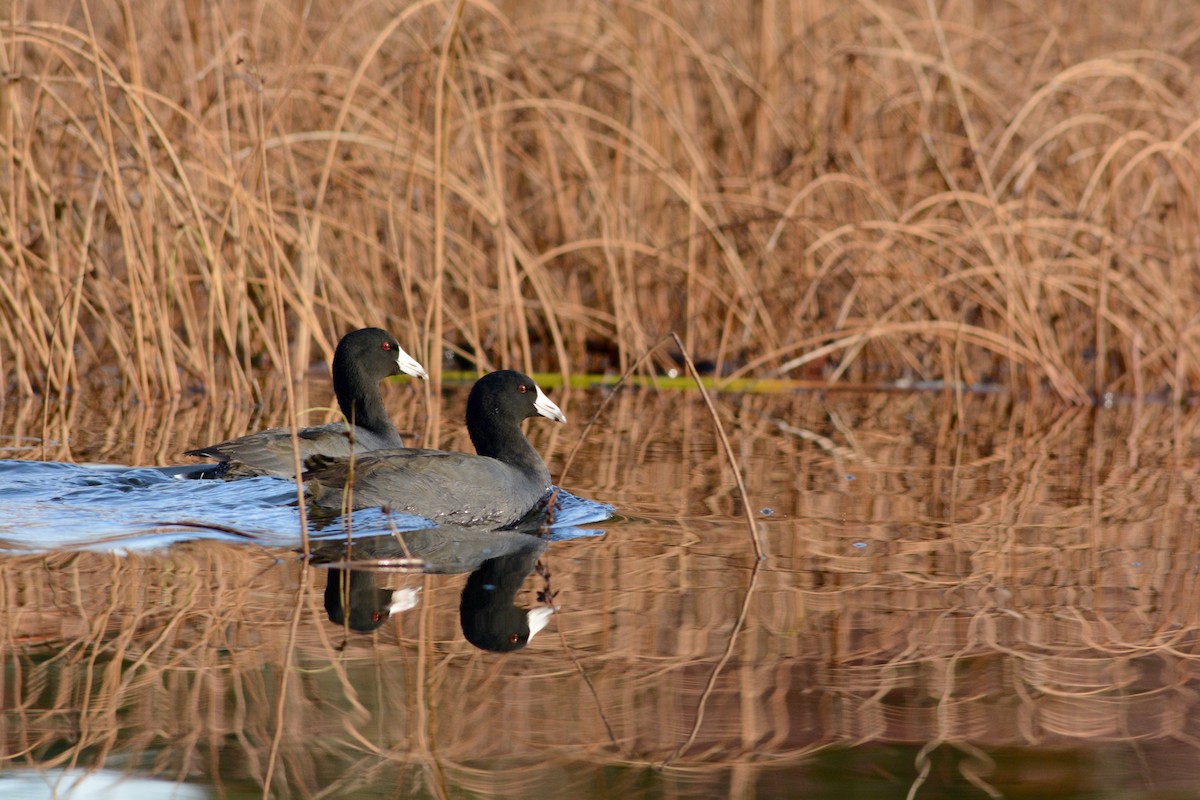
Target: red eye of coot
(522,388)
(514,638)
(386,346)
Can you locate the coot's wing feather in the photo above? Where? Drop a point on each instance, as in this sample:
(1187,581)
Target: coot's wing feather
(269,452)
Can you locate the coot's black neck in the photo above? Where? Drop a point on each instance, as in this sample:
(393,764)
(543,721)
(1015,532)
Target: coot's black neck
(359,397)
(497,436)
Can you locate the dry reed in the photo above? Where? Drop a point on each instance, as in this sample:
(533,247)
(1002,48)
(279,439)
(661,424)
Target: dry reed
(854,192)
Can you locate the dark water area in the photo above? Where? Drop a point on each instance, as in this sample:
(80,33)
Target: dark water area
(962,597)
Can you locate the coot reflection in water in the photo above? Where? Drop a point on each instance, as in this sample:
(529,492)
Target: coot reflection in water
(498,562)
(369,605)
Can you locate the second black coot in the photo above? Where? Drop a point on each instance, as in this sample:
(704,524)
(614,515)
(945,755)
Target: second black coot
(496,487)
(363,358)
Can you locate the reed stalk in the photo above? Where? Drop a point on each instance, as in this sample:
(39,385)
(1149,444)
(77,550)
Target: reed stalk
(850,193)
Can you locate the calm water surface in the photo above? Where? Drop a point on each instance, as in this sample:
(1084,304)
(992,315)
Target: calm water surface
(963,597)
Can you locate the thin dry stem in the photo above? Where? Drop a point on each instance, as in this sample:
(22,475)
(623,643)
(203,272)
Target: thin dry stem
(849,192)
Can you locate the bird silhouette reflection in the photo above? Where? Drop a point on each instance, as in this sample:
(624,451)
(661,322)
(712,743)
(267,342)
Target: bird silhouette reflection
(498,563)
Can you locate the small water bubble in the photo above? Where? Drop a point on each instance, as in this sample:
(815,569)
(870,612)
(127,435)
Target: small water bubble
(850,477)
(860,545)
(1137,563)
(672,373)
(766,512)
(1109,399)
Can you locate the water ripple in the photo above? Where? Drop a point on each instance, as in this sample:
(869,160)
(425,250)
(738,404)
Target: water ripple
(52,506)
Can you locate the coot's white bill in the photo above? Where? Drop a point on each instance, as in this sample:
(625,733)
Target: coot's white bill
(546,407)
(538,618)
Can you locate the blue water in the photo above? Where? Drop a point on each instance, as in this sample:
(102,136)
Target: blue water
(55,506)
(31,784)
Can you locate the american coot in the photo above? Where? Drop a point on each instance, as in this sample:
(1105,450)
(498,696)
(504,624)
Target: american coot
(363,358)
(494,488)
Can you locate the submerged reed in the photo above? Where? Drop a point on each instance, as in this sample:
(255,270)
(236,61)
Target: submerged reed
(1018,578)
(807,189)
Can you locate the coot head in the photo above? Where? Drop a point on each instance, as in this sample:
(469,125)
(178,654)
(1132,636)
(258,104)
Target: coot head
(500,400)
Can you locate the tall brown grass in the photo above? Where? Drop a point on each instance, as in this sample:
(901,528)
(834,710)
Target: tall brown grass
(193,192)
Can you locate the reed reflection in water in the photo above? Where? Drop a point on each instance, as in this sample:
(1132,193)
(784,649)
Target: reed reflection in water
(961,596)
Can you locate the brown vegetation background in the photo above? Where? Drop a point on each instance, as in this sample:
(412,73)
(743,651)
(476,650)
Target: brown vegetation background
(194,192)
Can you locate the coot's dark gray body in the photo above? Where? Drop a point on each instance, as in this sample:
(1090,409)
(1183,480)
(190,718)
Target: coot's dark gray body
(494,488)
(363,359)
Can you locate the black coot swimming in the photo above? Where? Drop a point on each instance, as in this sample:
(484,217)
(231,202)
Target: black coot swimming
(363,358)
(495,488)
